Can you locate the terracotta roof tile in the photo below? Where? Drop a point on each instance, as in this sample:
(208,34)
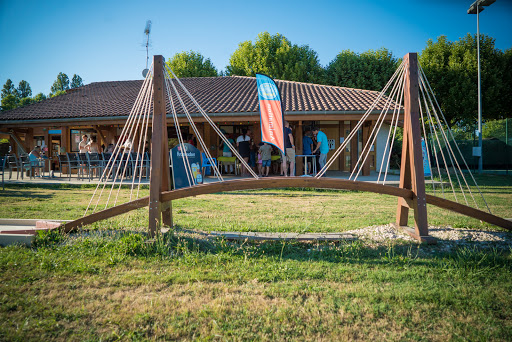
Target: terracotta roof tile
(233,94)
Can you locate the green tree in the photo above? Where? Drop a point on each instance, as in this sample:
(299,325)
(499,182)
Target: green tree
(9,102)
(8,89)
(368,70)
(60,84)
(191,64)
(39,97)
(277,57)
(451,68)
(25,101)
(76,81)
(507,82)
(57,93)
(24,89)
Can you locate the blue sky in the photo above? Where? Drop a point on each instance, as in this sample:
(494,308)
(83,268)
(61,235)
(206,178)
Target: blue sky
(104,40)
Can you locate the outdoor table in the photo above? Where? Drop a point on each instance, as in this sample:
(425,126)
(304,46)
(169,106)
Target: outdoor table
(227,161)
(313,161)
(43,162)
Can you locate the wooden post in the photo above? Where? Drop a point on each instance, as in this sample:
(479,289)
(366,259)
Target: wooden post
(354,142)
(411,168)
(101,135)
(341,159)
(299,167)
(159,174)
(64,139)
(29,139)
(46,141)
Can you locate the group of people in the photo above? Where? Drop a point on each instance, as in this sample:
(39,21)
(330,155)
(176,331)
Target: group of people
(92,146)
(259,156)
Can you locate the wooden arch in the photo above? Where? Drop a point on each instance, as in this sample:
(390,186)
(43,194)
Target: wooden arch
(288,182)
(411,191)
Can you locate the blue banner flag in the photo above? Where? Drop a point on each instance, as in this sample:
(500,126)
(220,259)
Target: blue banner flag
(271,113)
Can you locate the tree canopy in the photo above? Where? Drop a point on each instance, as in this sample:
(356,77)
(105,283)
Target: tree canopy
(8,89)
(451,68)
(60,84)
(24,89)
(277,57)
(76,81)
(9,102)
(368,70)
(191,64)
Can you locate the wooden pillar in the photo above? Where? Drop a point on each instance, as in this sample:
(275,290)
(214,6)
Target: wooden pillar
(207,136)
(411,168)
(353,147)
(64,139)
(299,166)
(101,135)
(341,159)
(46,141)
(366,136)
(29,139)
(160,176)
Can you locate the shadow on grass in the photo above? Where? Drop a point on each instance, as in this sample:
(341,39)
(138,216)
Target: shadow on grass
(193,245)
(25,194)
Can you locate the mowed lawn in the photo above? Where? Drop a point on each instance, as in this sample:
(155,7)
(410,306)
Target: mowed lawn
(108,282)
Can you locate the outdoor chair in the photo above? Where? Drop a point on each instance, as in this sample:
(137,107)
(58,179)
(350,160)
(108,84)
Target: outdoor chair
(96,164)
(207,164)
(84,163)
(36,164)
(27,165)
(3,163)
(142,163)
(63,162)
(74,163)
(13,164)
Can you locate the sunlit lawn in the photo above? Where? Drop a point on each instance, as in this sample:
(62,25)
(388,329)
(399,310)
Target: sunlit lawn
(108,283)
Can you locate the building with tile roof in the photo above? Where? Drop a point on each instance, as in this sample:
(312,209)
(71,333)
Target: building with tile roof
(101,109)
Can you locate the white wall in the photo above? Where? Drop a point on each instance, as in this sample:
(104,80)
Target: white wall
(382,137)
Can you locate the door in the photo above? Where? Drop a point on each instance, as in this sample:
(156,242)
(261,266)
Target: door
(333,137)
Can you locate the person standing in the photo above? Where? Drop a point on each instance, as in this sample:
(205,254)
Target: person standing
(322,145)
(266,158)
(226,152)
(83,146)
(307,148)
(93,145)
(289,146)
(243,142)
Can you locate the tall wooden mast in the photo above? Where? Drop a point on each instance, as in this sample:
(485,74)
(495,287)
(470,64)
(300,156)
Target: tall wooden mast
(411,169)
(160,173)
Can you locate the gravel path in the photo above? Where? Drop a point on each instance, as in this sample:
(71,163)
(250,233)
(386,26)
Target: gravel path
(448,237)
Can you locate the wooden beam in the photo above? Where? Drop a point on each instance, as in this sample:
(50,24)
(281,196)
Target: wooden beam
(157,163)
(29,139)
(353,147)
(411,169)
(244,184)
(197,119)
(299,166)
(65,139)
(292,182)
(47,141)
(101,134)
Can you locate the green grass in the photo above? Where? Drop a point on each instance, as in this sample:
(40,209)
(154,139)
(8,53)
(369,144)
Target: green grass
(108,283)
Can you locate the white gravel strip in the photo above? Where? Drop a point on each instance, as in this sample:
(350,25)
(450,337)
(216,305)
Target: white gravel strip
(444,235)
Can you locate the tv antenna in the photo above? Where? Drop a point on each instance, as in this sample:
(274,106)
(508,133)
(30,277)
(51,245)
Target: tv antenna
(147,31)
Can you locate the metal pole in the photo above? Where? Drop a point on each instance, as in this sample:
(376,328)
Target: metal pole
(480,159)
